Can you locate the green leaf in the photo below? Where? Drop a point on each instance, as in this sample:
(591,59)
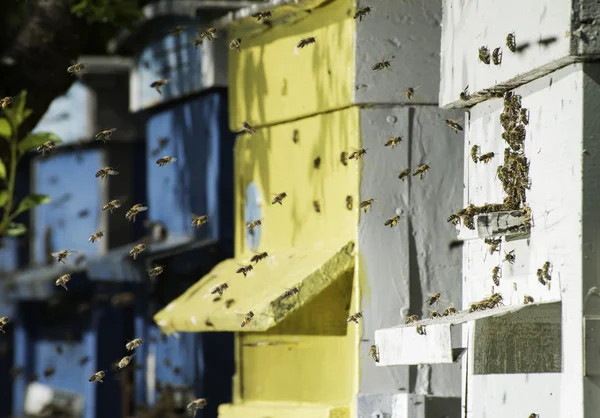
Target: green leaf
(5,131)
(15,229)
(2,170)
(31,201)
(17,112)
(3,198)
(33,141)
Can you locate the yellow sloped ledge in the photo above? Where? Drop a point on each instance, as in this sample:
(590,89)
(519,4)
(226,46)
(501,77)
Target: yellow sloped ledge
(282,410)
(310,269)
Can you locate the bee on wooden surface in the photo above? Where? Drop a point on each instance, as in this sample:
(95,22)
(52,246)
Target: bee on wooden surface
(355,317)
(411,319)
(219,289)
(317,163)
(253,224)
(198,221)
(393,141)
(382,64)
(454,219)
(210,33)
(392,221)
(63,280)
(106,171)
(236,44)
(454,125)
(155,271)
(349,201)
(296,136)
(62,255)
(262,15)
(409,93)
(124,362)
(510,256)
(289,293)
(98,376)
(245,269)
(366,204)
(484,55)
(112,205)
(464,95)
(76,68)
(497,56)
(421,171)
(486,158)
(137,250)
(177,30)
(357,155)
(546,271)
(133,344)
(474,153)
(158,84)
(527,299)
(450,310)
(540,276)
(316,206)
(247,318)
(434,314)
(258,257)
(105,135)
(404,174)
(374,353)
(279,198)
(134,211)
(46,147)
(524,116)
(49,372)
(496,275)
(229,302)
(360,13)
(421,330)
(306,41)
(195,405)
(5,102)
(162,161)
(511,44)
(247,128)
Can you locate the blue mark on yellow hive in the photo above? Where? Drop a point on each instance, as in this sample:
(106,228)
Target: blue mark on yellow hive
(252,212)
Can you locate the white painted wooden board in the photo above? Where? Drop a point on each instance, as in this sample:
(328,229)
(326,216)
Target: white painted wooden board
(551,29)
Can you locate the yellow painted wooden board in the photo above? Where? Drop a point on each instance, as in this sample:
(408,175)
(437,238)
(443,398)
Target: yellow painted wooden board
(282,410)
(310,269)
(271,81)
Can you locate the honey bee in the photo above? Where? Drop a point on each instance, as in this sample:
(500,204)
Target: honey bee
(289,293)
(62,255)
(254,224)
(155,271)
(496,275)
(434,314)
(374,353)
(454,125)
(162,161)
(247,318)
(484,55)
(494,244)
(134,211)
(46,147)
(540,276)
(360,13)
(296,136)
(404,174)
(409,93)
(262,15)
(106,171)
(5,102)
(63,280)
(105,135)
(317,162)
(450,310)
(198,42)
(410,319)
(245,269)
(497,56)
(527,299)
(435,298)
(98,376)
(393,141)
(247,128)
(454,219)
(366,204)
(210,33)
(421,171)
(158,84)
(349,202)
(421,330)
(306,41)
(133,344)
(137,250)
(177,30)
(76,68)
(258,257)
(229,302)
(486,158)
(546,271)
(49,372)
(510,256)
(382,64)
(524,116)
(357,155)
(279,198)
(197,221)
(236,44)
(316,206)
(464,95)
(355,317)
(511,44)
(474,153)
(219,289)
(392,221)
(344,158)
(112,205)
(124,362)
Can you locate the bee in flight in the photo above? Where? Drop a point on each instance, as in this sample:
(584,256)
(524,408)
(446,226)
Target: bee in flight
(360,13)
(124,362)
(289,293)
(236,44)
(61,255)
(486,158)
(229,302)
(106,171)
(454,125)
(464,95)
(46,147)
(355,317)
(247,318)
(254,224)
(247,128)
(382,64)
(279,198)
(177,30)
(155,271)
(366,204)
(409,93)
(484,55)
(162,161)
(134,211)
(392,221)
(4,321)
(105,135)
(435,298)
(421,171)
(258,257)
(199,220)
(76,68)
(158,84)
(219,289)
(210,33)
(511,42)
(306,41)
(95,236)
(262,15)
(393,141)
(404,174)
(133,344)
(6,101)
(245,269)
(98,376)
(510,256)
(137,250)
(374,353)
(63,280)
(357,155)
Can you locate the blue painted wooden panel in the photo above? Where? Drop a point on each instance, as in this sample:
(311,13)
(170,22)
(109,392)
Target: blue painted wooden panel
(70,116)
(74,213)
(8,254)
(201,180)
